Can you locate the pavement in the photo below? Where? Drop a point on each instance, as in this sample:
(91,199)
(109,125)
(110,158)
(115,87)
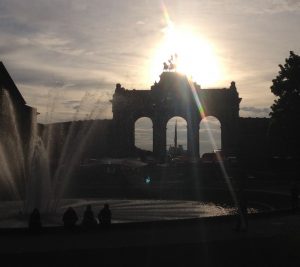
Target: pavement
(272,239)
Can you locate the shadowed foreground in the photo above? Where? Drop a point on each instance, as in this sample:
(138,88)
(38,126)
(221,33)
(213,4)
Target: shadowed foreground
(271,240)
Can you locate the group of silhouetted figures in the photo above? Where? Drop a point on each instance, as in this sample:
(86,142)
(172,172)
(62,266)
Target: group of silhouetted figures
(70,219)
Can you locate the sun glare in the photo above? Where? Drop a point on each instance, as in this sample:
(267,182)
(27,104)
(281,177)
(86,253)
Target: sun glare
(196,56)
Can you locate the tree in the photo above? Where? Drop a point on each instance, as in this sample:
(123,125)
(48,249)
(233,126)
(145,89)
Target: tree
(285,114)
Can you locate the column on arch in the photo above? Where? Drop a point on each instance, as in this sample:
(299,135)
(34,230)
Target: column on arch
(123,135)
(130,134)
(193,138)
(230,135)
(159,138)
(224,135)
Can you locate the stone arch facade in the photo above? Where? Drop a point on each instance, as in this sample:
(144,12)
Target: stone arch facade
(174,95)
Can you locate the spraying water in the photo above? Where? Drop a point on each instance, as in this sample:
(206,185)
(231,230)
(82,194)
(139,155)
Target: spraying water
(25,166)
(39,187)
(12,151)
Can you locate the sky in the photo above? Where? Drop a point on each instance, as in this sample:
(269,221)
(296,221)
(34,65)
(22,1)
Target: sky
(66,56)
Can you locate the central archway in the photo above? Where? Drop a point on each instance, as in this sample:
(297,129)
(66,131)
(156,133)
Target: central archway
(176,135)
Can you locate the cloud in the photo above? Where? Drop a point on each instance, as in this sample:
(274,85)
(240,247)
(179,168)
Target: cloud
(140,22)
(256,6)
(90,105)
(70,45)
(277,6)
(254,112)
(79,46)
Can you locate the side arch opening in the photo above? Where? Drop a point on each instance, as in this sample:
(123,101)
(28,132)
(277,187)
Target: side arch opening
(143,134)
(210,135)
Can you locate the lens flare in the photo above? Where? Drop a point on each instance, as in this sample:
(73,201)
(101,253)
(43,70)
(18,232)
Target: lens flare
(197,60)
(213,142)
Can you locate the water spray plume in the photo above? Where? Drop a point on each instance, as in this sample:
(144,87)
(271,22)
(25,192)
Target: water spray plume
(26,175)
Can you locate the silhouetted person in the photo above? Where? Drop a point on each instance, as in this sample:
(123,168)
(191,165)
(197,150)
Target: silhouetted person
(240,177)
(242,220)
(294,196)
(35,224)
(88,220)
(239,172)
(104,216)
(142,156)
(70,218)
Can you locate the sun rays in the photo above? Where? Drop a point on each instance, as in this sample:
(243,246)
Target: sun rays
(196,55)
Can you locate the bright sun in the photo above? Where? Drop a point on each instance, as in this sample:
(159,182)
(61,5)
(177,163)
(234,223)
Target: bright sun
(196,57)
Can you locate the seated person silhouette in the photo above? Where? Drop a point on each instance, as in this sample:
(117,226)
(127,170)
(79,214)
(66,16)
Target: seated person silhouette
(104,216)
(242,220)
(88,220)
(34,223)
(70,218)
(294,196)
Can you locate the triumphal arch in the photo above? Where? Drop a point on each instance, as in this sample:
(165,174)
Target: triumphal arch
(174,95)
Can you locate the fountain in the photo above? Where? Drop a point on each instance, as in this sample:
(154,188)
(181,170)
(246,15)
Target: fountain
(30,180)
(26,176)
(12,151)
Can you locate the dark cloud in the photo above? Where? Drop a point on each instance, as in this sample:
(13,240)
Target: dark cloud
(74,104)
(282,5)
(53,79)
(90,85)
(7,49)
(37,77)
(254,109)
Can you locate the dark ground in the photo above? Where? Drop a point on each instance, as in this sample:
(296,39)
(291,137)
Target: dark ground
(183,182)
(271,240)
